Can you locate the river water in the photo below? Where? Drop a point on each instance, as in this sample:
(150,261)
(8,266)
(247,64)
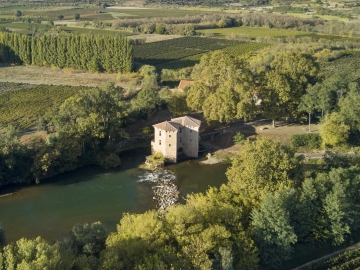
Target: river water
(91,194)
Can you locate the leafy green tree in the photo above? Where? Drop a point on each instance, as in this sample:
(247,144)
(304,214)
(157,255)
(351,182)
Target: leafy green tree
(89,239)
(176,103)
(286,83)
(272,229)
(61,17)
(307,216)
(35,254)
(238,138)
(18,13)
(220,106)
(333,131)
(77,16)
(349,109)
(139,238)
(308,103)
(146,100)
(260,167)
(224,88)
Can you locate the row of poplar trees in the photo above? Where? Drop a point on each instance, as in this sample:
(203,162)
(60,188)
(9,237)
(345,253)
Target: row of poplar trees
(86,52)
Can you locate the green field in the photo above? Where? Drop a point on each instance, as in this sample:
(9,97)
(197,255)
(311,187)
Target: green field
(241,49)
(23,106)
(159,53)
(153,12)
(93,13)
(26,28)
(253,32)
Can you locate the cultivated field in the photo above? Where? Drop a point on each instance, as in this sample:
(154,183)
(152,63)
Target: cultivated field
(25,104)
(240,49)
(253,32)
(161,52)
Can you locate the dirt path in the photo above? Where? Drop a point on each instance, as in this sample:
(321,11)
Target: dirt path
(355,246)
(263,128)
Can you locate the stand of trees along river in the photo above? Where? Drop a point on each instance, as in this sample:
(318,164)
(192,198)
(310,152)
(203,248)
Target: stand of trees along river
(274,206)
(270,210)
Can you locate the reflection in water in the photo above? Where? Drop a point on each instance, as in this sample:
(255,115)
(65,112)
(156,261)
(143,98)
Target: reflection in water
(92,194)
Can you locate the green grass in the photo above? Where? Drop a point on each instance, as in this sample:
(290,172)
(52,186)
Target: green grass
(253,32)
(23,106)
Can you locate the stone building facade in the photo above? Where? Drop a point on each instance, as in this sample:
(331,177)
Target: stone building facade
(176,138)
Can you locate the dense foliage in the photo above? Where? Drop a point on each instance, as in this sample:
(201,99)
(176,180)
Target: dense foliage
(246,224)
(82,130)
(87,52)
(311,140)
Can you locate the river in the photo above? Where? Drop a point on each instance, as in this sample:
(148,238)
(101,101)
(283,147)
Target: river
(91,194)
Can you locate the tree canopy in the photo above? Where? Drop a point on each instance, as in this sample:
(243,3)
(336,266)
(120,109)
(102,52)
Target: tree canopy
(224,89)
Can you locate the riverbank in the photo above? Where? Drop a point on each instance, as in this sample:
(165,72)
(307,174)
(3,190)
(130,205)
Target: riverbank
(89,194)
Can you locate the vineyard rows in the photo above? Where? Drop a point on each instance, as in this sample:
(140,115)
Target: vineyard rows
(346,261)
(240,49)
(160,52)
(348,65)
(245,48)
(22,107)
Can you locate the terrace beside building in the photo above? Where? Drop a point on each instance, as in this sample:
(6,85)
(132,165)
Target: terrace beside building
(177,138)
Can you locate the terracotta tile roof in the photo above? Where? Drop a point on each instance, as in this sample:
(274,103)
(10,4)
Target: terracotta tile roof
(187,121)
(167,126)
(184,83)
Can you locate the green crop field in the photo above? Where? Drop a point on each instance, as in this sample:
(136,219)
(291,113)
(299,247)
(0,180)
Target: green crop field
(245,48)
(253,32)
(153,12)
(94,31)
(93,13)
(23,106)
(241,49)
(159,53)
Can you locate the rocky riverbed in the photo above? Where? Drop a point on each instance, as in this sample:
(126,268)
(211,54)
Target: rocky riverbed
(166,192)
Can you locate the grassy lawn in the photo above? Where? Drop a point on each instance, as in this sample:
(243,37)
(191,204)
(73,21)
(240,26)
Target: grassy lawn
(253,32)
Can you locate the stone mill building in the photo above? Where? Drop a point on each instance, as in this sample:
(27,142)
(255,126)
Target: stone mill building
(177,138)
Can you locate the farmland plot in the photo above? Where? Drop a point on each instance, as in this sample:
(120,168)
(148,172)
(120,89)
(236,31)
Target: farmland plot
(159,53)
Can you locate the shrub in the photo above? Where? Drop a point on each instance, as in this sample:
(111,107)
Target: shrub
(311,140)
(238,138)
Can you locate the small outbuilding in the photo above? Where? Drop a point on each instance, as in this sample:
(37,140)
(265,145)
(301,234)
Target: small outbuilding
(177,138)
